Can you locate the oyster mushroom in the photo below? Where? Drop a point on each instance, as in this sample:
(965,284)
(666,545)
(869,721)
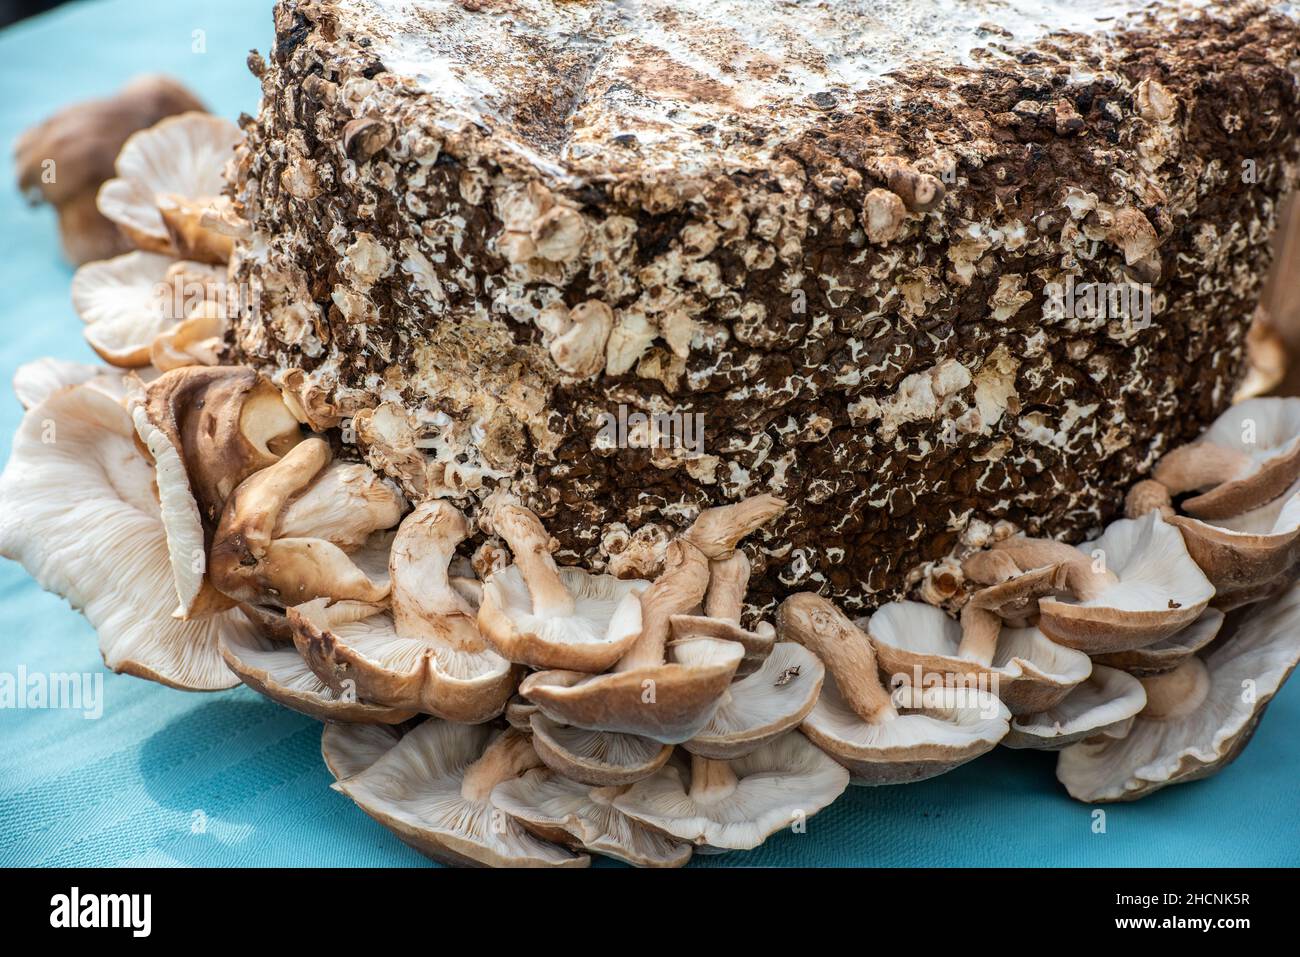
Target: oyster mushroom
(597,758)
(542,616)
(79,144)
(583,817)
(77,510)
(1246,459)
(129,301)
(880,739)
(1105,704)
(736,805)
(197,340)
(1028,671)
(345,505)
(1170,652)
(248,564)
(669,701)
(167,176)
(1248,556)
(1157,590)
(723,604)
(1198,716)
(427,655)
(206,431)
(433,789)
(36,381)
(278,672)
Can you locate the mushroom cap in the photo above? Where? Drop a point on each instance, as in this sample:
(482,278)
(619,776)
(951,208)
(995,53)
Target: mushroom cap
(1160,591)
(1159,751)
(763,705)
(77,510)
(519,714)
(349,749)
(757,643)
(1242,555)
(181,156)
(36,381)
(345,505)
(1169,652)
(948,729)
(1030,672)
(606,621)
(415,790)
(597,758)
(272,623)
(446,678)
(777,785)
(1105,704)
(126,303)
(278,672)
(669,704)
(1274,456)
(574,814)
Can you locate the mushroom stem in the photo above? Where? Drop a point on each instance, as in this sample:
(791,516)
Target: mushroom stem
(1176,693)
(678,589)
(271,488)
(846,651)
(711,780)
(980,628)
(1148,495)
(531,546)
(728,581)
(1200,465)
(1081,579)
(509,755)
(418,566)
(716,531)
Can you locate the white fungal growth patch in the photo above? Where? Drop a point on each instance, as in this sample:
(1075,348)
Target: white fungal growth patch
(919,397)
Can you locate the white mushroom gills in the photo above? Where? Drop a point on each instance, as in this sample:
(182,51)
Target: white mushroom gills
(1177,693)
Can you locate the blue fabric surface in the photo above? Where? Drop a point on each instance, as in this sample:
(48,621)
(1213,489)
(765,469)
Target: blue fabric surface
(168,778)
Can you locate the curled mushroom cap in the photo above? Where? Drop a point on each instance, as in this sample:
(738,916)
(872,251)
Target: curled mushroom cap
(597,758)
(129,301)
(857,721)
(1198,716)
(763,705)
(345,505)
(1157,591)
(433,789)
(247,563)
(580,816)
(736,805)
(546,617)
(427,655)
(1105,704)
(1170,652)
(1247,458)
(1031,672)
(77,510)
(1245,555)
(166,176)
(278,672)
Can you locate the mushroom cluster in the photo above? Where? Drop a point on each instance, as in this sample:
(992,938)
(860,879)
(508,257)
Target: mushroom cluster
(492,707)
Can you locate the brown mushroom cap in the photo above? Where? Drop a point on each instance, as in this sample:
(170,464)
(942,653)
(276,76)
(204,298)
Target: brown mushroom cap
(1160,590)
(580,816)
(1169,653)
(1104,704)
(763,705)
(1028,671)
(736,805)
(883,739)
(80,515)
(1247,458)
(427,655)
(1244,555)
(597,758)
(433,789)
(1198,716)
(279,673)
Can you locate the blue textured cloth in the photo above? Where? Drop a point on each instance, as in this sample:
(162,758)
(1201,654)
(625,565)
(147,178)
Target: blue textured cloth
(168,778)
